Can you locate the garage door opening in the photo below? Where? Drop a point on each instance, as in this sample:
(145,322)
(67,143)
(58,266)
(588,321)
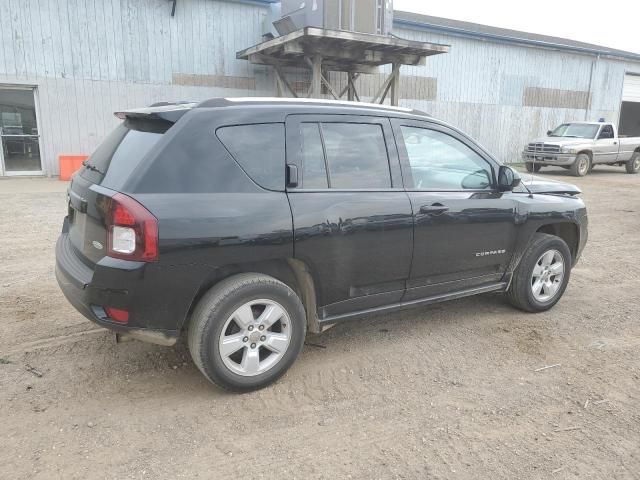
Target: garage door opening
(629,123)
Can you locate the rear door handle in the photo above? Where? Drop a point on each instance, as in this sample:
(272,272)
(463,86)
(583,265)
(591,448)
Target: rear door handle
(434,209)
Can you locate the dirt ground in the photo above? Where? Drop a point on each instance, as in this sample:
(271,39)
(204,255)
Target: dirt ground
(448,391)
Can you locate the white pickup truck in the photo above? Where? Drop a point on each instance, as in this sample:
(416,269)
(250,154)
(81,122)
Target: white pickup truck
(578,146)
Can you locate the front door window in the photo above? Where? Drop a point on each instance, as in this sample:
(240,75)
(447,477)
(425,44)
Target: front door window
(19,132)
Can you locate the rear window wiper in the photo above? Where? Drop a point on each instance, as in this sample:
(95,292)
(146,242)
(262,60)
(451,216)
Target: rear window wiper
(92,167)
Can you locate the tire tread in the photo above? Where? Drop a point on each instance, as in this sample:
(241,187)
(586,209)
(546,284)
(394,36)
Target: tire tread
(209,303)
(517,294)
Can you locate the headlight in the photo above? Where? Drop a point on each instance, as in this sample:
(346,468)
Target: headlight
(567,150)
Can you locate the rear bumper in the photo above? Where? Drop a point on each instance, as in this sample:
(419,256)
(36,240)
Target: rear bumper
(559,159)
(86,290)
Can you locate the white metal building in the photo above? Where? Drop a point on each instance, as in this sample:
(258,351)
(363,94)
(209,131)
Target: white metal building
(66,65)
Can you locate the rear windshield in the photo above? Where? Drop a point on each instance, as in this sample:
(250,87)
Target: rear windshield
(122,151)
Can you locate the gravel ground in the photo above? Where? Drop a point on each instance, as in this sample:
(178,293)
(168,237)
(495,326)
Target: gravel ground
(447,391)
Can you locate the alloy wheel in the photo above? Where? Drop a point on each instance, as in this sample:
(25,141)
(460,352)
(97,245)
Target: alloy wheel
(547,276)
(255,337)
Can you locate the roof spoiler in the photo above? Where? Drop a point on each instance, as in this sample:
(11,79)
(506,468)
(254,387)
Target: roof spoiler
(168,112)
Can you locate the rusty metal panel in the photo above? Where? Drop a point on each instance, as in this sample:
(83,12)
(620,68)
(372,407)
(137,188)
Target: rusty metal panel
(554,98)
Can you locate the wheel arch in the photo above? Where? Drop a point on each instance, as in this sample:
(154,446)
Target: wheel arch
(586,151)
(567,231)
(292,272)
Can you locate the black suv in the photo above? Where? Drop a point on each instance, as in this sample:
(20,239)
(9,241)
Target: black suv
(248,222)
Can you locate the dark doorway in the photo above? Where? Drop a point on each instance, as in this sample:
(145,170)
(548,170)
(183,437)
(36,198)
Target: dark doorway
(630,119)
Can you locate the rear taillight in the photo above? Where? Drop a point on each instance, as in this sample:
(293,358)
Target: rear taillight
(132,231)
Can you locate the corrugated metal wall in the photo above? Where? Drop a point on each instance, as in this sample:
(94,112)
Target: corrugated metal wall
(89,58)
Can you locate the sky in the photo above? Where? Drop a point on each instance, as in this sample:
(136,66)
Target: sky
(611,24)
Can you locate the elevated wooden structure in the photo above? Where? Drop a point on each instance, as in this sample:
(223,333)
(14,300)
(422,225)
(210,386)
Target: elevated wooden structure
(323,51)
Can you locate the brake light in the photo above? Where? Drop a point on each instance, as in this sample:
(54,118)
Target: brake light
(132,231)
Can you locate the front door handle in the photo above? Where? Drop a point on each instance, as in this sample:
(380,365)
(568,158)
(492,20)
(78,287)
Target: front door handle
(434,209)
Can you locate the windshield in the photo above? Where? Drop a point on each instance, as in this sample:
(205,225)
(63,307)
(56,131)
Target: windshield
(576,130)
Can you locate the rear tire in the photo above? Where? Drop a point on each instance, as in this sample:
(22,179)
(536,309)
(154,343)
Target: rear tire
(633,165)
(531,167)
(247,331)
(581,166)
(538,284)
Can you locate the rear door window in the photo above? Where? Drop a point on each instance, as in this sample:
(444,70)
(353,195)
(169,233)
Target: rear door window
(356,156)
(314,171)
(344,156)
(259,149)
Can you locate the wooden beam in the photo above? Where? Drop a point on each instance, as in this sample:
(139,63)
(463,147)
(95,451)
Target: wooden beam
(395,85)
(282,78)
(316,76)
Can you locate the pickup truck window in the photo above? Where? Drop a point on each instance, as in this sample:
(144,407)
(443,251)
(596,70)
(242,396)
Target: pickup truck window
(606,132)
(576,130)
(440,162)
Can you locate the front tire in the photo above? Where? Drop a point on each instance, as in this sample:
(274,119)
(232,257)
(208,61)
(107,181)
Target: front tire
(246,332)
(542,276)
(633,165)
(581,166)
(533,167)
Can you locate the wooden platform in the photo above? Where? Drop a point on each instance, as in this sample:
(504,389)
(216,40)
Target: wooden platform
(341,51)
(324,51)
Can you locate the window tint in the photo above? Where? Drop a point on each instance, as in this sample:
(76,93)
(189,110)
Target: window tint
(440,162)
(356,155)
(121,152)
(314,171)
(606,132)
(259,149)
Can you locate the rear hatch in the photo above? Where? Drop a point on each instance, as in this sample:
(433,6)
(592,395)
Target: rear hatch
(105,172)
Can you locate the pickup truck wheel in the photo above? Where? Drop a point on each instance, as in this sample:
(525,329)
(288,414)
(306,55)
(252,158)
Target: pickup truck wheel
(542,276)
(532,167)
(581,166)
(246,332)
(633,165)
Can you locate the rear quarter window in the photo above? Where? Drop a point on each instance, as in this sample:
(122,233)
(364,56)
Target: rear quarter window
(259,149)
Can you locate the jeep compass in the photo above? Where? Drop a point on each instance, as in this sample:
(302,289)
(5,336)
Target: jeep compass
(245,223)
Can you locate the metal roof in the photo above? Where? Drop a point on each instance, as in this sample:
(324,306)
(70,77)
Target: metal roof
(447,25)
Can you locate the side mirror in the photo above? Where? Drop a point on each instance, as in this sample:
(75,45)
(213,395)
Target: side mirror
(508,179)
(549,132)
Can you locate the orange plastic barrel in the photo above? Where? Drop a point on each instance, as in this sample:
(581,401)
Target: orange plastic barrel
(70,164)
